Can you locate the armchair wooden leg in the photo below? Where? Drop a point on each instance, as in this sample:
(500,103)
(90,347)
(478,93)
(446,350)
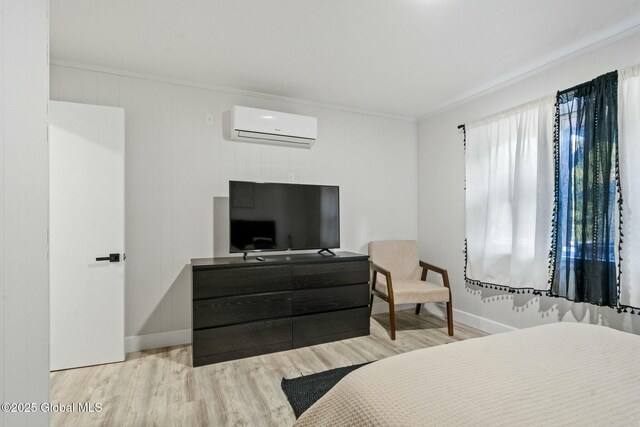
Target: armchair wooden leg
(392,320)
(450,318)
(371,305)
(418,307)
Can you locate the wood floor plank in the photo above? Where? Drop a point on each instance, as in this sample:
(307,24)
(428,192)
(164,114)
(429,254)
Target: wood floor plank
(160,387)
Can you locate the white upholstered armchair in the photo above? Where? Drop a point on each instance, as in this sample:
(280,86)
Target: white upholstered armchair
(399,277)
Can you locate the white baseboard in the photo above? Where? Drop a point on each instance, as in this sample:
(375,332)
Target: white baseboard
(469,319)
(157,340)
(183,336)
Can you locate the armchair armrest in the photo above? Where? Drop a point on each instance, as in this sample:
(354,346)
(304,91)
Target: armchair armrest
(439,270)
(386,273)
(376,268)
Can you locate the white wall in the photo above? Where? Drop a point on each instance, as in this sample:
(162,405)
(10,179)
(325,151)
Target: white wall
(441,195)
(24,210)
(176,165)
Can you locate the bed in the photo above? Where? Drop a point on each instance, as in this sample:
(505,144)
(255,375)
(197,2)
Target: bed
(557,374)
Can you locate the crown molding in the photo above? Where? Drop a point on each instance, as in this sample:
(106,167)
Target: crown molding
(576,50)
(583,47)
(228,90)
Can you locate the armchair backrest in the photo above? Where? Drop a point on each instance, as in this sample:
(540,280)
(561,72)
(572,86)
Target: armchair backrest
(400,257)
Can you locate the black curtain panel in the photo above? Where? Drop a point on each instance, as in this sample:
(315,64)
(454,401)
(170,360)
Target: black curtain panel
(586,182)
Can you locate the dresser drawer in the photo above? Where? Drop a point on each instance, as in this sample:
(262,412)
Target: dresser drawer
(318,300)
(233,342)
(327,274)
(242,308)
(239,281)
(325,327)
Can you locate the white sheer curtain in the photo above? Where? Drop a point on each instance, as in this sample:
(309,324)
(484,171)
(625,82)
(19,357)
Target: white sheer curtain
(509,196)
(629,140)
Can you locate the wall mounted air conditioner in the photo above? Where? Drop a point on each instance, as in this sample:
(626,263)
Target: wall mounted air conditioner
(272,127)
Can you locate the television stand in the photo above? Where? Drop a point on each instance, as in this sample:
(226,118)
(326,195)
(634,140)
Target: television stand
(326,250)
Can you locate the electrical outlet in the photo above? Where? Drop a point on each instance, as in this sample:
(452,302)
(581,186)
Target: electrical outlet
(209,119)
(291,177)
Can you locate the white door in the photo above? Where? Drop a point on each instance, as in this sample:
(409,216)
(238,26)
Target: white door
(86,160)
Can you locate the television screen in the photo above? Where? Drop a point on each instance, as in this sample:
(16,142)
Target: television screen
(278,217)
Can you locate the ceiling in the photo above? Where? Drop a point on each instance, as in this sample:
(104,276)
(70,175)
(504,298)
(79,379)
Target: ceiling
(398,57)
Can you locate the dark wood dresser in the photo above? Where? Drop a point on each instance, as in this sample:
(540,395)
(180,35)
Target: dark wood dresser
(243,308)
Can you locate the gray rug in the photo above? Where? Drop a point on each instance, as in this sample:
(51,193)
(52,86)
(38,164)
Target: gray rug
(304,391)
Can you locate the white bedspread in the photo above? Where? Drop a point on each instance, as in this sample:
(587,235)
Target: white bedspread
(553,375)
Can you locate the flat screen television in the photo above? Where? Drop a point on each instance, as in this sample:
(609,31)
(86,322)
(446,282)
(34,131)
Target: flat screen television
(280,217)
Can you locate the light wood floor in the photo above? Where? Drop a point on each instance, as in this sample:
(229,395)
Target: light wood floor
(160,388)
